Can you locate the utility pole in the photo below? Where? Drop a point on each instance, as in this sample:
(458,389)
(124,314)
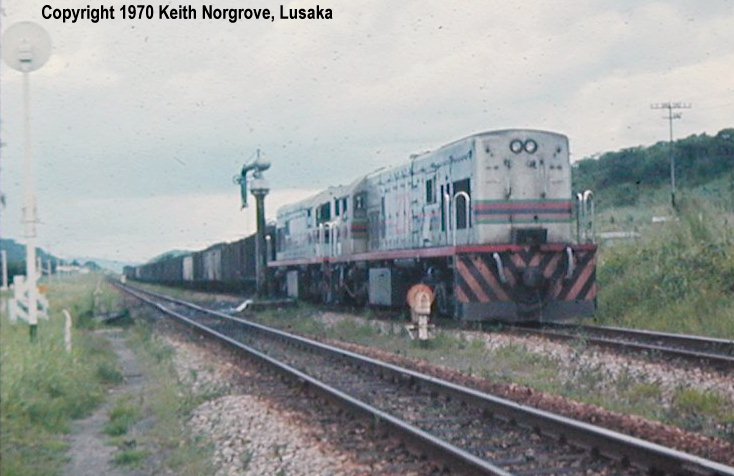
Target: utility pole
(670,106)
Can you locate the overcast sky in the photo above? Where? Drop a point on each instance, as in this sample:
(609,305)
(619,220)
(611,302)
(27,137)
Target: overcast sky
(139,126)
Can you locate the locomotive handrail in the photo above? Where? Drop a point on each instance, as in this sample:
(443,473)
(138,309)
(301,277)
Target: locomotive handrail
(447,214)
(590,204)
(500,267)
(467,199)
(585,217)
(579,210)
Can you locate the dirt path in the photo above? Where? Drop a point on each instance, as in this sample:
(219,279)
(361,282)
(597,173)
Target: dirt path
(90,453)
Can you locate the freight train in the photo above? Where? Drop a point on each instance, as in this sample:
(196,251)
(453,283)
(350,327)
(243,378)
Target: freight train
(487,222)
(221,267)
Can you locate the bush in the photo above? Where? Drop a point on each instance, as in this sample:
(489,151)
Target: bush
(680,278)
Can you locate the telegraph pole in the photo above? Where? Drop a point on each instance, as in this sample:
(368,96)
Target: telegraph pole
(670,106)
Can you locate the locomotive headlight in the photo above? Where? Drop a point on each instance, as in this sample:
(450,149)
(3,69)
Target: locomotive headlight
(516,146)
(531,146)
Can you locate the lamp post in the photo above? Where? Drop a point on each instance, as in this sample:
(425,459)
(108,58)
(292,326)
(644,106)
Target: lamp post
(26,47)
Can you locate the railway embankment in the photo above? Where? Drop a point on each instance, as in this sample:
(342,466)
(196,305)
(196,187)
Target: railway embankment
(252,422)
(659,401)
(669,437)
(628,392)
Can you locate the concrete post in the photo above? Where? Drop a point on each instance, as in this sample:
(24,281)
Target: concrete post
(67,331)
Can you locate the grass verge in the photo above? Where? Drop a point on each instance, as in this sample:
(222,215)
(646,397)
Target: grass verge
(165,408)
(43,387)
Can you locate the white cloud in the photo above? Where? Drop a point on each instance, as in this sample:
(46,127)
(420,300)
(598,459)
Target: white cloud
(139,228)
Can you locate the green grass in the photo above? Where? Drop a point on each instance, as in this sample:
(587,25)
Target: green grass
(132,458)
(679,278)
(109,372)
(122,417)
(169,404)
(43,387)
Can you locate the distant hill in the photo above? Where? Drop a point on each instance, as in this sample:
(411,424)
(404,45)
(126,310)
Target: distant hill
(16,257)
(169,254)
(619,178)
(111,265)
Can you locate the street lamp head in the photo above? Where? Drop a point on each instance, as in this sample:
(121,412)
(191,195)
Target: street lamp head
(26,46)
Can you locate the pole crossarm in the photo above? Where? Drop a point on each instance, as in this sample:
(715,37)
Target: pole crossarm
(671,106)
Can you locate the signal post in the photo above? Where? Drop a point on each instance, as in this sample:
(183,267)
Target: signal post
(27,47)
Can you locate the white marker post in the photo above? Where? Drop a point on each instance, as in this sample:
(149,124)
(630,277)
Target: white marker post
(26,47)
(4,257)
(67,331)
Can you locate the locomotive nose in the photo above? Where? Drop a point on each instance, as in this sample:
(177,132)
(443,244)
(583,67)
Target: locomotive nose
(532,277)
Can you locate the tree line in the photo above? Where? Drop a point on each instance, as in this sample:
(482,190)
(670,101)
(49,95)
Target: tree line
(620,178)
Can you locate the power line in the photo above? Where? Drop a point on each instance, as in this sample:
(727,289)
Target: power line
(670,106)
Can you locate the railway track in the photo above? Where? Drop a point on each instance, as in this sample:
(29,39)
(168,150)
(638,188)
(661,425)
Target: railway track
(472,431)
(716,353)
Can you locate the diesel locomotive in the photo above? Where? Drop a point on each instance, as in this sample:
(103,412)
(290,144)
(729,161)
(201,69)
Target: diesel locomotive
(488,222)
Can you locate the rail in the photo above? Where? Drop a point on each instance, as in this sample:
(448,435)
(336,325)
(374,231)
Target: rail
(716,353)
(584,440)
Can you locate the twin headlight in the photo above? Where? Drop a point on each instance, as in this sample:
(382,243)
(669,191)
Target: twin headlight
(529,146)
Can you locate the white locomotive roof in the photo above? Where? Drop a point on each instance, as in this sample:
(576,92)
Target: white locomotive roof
(341,190)
(485,134)
(316,199)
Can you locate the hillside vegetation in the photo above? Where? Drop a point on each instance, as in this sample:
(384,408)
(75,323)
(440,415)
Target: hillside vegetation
(630,177)
(679,275)
(16,257)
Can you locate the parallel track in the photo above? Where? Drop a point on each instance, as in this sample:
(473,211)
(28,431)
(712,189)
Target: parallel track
(716,353)
(471,430)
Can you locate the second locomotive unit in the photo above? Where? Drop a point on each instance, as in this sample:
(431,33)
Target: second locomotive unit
(487,222)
